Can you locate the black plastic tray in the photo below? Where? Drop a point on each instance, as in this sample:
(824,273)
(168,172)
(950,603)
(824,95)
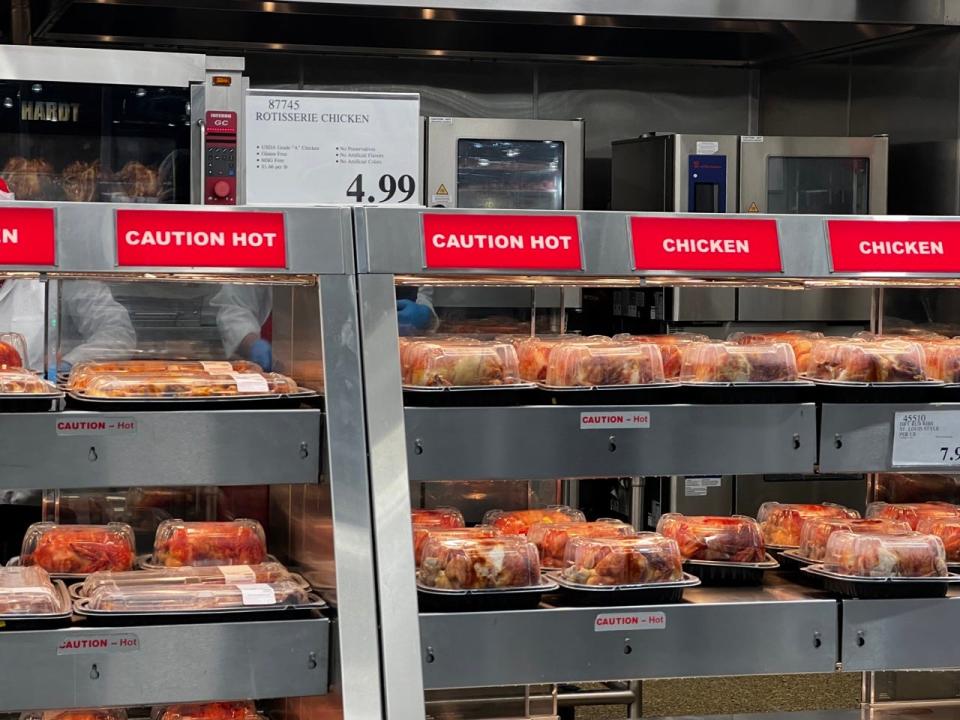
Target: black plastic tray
(881,588)
(526,598)
(610,595)
(714,572)
(231,402)
(829,391)
(30,402)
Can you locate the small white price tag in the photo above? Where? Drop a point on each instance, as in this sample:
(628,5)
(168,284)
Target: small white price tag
(928,438)
(257,594)
(216,367)
(251,383)
(237,573)
(332,147)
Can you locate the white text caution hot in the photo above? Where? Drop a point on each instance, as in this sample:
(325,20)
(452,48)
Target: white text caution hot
(199,238)
(501,241)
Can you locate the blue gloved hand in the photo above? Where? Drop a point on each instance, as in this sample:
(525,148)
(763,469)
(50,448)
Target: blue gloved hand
(63,367)
(262,354)
(412,317)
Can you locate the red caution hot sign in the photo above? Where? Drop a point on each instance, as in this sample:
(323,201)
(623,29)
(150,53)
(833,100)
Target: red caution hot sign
(706,245)
(908,246)
(195,238)
(501,242)
(27,236)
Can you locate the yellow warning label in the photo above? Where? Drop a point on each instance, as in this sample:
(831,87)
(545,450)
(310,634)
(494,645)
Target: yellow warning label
(753,208)
(442,190)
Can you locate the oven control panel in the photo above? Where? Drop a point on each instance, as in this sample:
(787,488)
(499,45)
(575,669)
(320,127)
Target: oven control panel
(220,158)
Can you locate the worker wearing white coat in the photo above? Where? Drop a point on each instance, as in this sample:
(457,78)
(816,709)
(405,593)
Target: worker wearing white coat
(92,324)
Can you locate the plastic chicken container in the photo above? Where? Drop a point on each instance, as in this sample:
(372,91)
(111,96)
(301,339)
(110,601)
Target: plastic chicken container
(78,549)
(552,539)
(800,341)
(817,531)
(912,513)
(87,714)
(942,360)
(192,597)
(421,533)
(478,564)
(533,353)
(913,488)
(13,350)
(17,381)
(267,572)
(480,574)
(460,363)
(948,530)
(177,387)
(718,549)
(715,362)
(518,522)
(84,371)
(239,542)
(781,523)
(855,361)
(605,365)
(671,348)
(29,592)
(639,570)
(441,517)
(236,710)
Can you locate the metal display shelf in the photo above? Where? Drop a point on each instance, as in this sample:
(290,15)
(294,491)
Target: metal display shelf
(858,437)
(161,448)
(548,442)
(152,664)
(776,628)
(901,634)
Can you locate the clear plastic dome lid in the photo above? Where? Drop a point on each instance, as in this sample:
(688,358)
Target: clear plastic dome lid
(267,572)
(671,348)
(518,522)
(163,386)
(441,517)
(113,597)
(86,714)
(816,532)
(78,549)
(800,340)
(552,539)
(459,363)
(238,542)
(84,371)
(781,523)
(872,555)
(16,380)
(481,563)
(533,353)
(28,591)
(715,537)
(605,364)
(861,361)
(421,533)
(236,710)
(912,513)
(13,350)
(948,530)
(637,560)
(717,362)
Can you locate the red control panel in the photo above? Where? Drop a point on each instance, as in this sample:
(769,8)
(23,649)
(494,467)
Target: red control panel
(220,158)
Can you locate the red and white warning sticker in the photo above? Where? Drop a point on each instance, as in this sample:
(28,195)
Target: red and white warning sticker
(618,622)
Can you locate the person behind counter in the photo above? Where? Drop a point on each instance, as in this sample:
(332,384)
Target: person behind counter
(243,310)
(93,324)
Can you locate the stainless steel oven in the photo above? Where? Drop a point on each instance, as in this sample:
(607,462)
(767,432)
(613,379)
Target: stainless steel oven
(755,174)
(504,164)
(123,126)
(501,163)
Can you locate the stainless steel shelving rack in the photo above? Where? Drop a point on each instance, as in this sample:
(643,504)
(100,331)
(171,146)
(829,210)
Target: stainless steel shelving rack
(313,457)
(777,629)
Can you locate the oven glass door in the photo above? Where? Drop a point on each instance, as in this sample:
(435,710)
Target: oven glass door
(818,185)
(510,174)
(85,142)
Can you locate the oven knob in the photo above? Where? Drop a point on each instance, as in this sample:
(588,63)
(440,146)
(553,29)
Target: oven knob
(221,188)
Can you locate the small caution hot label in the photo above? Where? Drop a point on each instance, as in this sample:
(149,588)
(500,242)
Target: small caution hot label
(612,419)
(96,644)
(620,622)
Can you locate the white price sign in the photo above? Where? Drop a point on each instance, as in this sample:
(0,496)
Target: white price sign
(928,438)
(332,147)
